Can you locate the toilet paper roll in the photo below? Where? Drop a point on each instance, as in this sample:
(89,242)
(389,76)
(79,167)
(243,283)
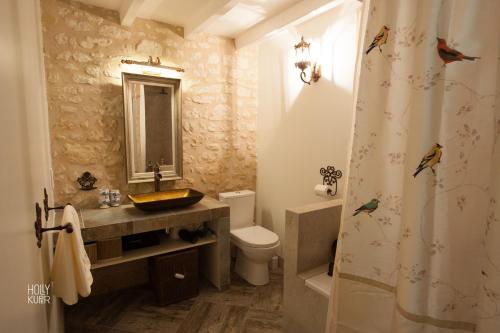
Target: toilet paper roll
(322,190)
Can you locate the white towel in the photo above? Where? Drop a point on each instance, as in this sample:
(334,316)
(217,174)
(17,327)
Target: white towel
(71,268)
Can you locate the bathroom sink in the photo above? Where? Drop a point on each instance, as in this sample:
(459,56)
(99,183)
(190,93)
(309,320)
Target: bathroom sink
(166,200)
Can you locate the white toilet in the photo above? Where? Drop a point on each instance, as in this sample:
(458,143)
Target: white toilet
(256,245)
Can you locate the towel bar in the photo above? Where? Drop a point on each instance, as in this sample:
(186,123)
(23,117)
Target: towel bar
(38,226)
(39,230)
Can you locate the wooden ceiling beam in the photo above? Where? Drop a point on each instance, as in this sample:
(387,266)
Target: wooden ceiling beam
(130,10)
(296,14)
(207,14)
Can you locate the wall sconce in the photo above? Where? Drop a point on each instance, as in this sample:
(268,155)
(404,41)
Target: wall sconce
(303,56)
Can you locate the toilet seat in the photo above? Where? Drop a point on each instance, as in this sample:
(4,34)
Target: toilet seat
(255,236)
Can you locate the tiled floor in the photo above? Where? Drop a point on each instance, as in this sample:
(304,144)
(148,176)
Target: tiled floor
(240,308)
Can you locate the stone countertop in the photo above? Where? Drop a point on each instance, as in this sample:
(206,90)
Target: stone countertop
(99,224)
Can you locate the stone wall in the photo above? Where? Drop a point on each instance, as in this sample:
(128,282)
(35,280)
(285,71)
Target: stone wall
(83,46)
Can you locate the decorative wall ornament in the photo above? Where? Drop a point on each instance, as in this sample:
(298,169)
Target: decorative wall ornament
(86,181)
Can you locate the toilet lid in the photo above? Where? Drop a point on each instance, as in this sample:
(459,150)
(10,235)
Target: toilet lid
(255,236)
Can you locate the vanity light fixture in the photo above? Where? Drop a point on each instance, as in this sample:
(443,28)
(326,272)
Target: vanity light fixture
(303,62)
(152,64)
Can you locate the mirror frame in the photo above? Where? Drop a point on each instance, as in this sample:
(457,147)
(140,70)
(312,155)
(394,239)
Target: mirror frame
(176,172)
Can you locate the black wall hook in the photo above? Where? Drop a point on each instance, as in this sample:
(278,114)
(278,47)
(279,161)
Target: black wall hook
(46,207)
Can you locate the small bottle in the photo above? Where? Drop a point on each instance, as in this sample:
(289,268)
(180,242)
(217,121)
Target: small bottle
(115,198)
(104,200)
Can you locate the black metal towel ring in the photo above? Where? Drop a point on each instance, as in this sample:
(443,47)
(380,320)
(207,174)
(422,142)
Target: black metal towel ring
(330,176)
(39,230)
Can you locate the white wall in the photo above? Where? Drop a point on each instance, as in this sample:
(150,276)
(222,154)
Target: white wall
(302,128)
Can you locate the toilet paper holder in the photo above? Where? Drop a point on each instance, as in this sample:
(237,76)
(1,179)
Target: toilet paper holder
(330,176)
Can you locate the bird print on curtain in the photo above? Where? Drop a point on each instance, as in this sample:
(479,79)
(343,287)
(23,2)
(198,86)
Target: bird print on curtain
(450,55)
(430,159)
(380,39)
(368,208)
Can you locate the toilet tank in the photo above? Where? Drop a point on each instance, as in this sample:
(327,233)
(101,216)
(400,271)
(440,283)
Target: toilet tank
(242,205)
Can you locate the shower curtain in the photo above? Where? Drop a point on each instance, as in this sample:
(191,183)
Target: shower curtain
(419,245)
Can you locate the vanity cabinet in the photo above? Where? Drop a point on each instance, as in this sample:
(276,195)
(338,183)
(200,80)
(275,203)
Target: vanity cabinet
(174,276)
(103,225)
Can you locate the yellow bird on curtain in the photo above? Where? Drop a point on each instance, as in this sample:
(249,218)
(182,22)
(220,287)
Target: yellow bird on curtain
(380,39)
(430,159)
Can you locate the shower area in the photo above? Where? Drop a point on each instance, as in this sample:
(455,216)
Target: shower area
(419,220)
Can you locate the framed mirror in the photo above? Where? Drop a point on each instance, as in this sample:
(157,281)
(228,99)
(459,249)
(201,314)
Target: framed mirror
(152,108)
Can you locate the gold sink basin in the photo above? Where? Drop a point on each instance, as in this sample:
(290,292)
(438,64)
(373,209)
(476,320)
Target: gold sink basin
(166,200)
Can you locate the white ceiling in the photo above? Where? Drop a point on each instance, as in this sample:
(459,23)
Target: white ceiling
(233,18)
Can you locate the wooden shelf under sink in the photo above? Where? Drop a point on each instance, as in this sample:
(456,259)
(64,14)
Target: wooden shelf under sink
(166,245)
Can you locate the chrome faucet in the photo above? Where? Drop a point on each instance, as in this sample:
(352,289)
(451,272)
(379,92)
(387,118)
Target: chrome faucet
(157,177)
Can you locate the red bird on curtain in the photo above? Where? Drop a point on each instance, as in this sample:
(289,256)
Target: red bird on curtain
(450,55)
